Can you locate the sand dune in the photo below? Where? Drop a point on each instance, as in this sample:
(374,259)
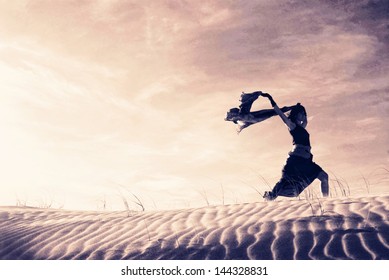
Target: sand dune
(341,228)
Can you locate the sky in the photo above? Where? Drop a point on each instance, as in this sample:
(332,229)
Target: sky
(102,100)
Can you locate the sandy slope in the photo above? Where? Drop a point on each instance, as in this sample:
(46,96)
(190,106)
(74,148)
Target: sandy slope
(346,228)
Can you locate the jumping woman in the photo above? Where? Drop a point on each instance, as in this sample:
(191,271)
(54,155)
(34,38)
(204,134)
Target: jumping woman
(300,170)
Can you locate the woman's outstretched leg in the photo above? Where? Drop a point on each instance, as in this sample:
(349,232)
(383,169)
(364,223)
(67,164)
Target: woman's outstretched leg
(273,194)
(323,177)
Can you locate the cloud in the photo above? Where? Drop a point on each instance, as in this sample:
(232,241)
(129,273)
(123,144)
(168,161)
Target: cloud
(133,88)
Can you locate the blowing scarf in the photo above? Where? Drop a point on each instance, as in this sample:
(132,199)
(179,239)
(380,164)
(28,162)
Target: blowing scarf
(247,119)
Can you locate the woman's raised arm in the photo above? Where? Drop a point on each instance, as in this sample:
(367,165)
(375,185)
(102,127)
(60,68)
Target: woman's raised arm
(291,125)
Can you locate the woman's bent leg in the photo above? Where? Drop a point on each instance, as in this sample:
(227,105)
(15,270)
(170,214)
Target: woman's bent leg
(323,177)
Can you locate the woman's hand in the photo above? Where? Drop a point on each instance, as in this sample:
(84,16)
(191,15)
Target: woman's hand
(273,103)
(266,95)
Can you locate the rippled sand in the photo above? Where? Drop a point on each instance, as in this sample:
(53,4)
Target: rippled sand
(346,228)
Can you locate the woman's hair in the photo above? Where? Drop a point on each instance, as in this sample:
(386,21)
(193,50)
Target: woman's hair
(296,109)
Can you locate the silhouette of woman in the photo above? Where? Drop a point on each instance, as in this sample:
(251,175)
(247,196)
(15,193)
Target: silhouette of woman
(300,170)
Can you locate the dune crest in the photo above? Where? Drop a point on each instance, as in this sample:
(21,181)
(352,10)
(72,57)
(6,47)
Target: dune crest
(341,228)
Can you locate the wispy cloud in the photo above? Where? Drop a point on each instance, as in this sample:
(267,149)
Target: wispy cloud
(128,89)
